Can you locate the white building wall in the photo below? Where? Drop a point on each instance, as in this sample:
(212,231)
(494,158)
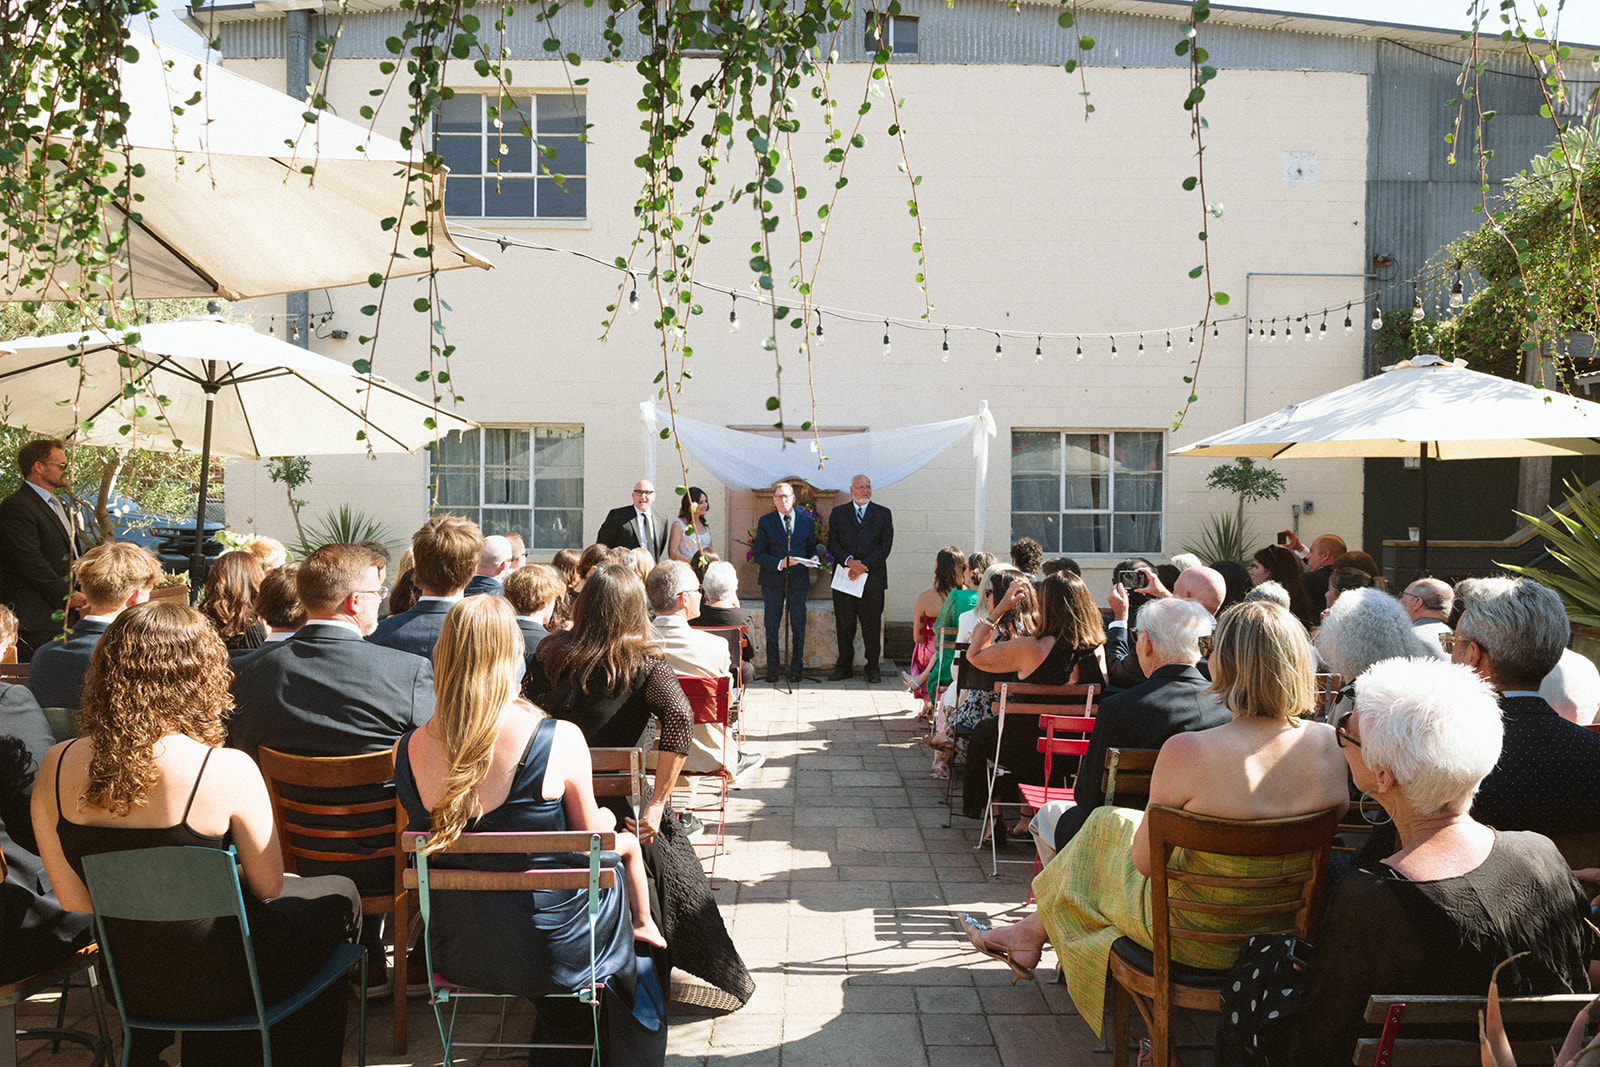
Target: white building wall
(1036,221)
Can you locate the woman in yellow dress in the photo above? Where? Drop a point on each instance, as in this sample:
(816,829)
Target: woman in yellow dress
(1267,763)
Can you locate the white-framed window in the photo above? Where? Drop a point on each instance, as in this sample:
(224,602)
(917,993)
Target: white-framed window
(496,171)
(525,480)
(899,34)
(1083,491)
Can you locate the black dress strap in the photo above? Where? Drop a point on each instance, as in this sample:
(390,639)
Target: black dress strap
(59,761)
(196,787)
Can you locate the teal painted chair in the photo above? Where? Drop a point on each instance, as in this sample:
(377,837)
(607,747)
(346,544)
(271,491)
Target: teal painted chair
(179,884)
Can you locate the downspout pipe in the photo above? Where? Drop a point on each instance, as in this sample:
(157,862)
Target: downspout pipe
(297,75)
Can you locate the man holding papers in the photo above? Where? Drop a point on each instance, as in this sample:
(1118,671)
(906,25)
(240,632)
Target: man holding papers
(786,548)
(860,535)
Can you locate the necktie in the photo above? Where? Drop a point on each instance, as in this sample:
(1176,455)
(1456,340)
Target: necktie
(647,539)
(861,513)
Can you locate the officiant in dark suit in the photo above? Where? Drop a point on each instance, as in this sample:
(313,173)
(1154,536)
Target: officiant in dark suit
(37,545)
(860,536)
(635,526)
(782,537)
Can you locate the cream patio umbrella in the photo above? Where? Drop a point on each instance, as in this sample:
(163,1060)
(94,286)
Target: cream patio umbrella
(205,382)
(226,209)
(1425,407)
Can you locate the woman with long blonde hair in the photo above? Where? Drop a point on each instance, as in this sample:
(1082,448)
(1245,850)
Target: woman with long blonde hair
(490,761)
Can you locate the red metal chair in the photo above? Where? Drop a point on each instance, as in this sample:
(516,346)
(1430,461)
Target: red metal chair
(709,697)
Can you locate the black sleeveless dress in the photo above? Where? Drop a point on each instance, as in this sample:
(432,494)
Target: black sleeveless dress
(292,936)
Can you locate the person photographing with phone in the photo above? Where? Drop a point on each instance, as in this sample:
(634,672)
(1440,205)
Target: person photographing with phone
(1201,584)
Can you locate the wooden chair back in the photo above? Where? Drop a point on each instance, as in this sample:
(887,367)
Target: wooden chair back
(1534,1025)
(15,673)
(308,829)
(1580,849)
(1126,781)
(619,772)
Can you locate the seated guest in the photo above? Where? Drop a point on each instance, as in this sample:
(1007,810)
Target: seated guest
(279,603)
(1057,564)
(978,696)
(1366,626)
(149,771)
(269,553)
(1175,698)
(1427,602)
(1512,633)
(1026,555)
(1573,688)
(721,608)
(1235,581)
(519,552)
(533,590)
(1203,585)
(1441,914)
(112,577)
(1270,592)
(446,552)
(701,561)
(1343,579)
(229,601)
(1358,561)
(565,563)
(20,714)
(494,563)
(1184,560)
(591,558)
(36,931)
(1277,564)
(949,574)
(1267,763)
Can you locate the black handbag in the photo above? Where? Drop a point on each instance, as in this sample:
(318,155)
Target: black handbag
(1262,994)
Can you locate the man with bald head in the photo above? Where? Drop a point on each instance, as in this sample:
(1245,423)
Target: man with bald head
(494,563)
(1428,602)
(1203,585)
(635,525)
(1319,560)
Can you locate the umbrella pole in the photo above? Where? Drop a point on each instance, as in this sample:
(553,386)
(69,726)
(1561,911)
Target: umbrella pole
(197,557)
(1422,523)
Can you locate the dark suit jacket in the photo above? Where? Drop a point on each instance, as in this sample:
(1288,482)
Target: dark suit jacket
(35,556)
(482,583)
(21,717)
(1171,701)
(1317,585)
(532,634)
(867,541)
(55,677)
(771,547)
(1545,780)
(620,530)
(415,631)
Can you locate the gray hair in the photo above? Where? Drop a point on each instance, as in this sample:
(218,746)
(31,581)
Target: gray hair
(1521,624)
(1175,627)
(1272,593)
(1435,725)
(1434,594)
(1365,626)
(1184,560)
(668,581)
(721,581)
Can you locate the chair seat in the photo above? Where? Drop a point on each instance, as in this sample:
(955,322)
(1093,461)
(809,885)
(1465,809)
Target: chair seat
(1037,796)
(1136,955)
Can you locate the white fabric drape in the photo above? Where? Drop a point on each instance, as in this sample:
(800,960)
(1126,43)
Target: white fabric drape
(743,460)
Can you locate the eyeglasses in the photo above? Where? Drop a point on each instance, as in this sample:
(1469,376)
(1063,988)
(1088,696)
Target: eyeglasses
(1342,734)
(644,492)
(380,592)
(1448,642)
(1205,645)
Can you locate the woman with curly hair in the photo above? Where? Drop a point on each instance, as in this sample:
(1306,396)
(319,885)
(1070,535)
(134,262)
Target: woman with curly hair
(148,771)
(489,761)
(230,600)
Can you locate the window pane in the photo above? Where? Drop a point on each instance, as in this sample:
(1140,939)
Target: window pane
(555,528)
(1139,452)
(1086,453)
(1085,533)
(465,513)
(463,196)
(457,488)
(1139,534)
(556,203)
(515,112)
(514,153)
(1045,529)
(558,490)
(512,199)
(1138,492)
(1085,492)
(458,447)
(463,155)
(507,521)
(561,113)
(1035,491)
(569,158)
(905,35)
(505,446)
(558,446)
(462,113)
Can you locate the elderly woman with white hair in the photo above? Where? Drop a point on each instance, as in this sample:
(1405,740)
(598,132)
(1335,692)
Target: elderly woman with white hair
(1459,898)
(720,607)
(1366,626)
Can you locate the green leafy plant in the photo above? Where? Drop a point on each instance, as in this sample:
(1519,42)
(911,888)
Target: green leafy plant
(1253,484)
(345,526)
(1574,540)
(1223,536)
(293,472)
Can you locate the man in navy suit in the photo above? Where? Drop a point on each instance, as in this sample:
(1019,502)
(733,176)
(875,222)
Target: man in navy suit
(860,536)
(783,538)
(445,553)
(113,577)
(37,545)
(634,525)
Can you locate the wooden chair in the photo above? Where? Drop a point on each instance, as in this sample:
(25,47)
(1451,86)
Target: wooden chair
(1150,978)
(427,879)
(15,673)
(619,772)
(1356,824)
(1126,782)
(1327,692)
(1031,701)
(1536,1027)
(1580,849)
(15,993)
(709,698)
(943,637)
(309,829)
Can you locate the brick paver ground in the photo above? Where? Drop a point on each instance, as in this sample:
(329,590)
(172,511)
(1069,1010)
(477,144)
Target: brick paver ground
(841,887)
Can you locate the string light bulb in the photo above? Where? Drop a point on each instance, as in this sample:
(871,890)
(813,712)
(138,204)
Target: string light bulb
(997,352)
(733,316)
(1080,348)
(1141,345)
(1377,318)
(1169,342)
(887,347)
(1038,349)
(1307,336)
(1272,337)
(945,348)
(1288,331)
(1113,346)
(633,297)
(1417,314)
(1215,331)
(1455,293)
(1348,325)
(1191,338)
(821,340)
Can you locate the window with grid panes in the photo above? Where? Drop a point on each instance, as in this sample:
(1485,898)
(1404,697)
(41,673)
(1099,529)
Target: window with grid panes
(496,171)
(1088,491)
(525,480)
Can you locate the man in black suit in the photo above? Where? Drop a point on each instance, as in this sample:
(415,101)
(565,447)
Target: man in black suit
(1171,700)
(860,535)
(634,526)
(112,577)
(533,590)
(37,545)
(784,537)
(445,553)
(1202,585)
(326,692)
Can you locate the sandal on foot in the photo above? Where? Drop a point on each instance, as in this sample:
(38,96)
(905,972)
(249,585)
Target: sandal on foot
(972,927)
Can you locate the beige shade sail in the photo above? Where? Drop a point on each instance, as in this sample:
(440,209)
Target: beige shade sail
(226,209)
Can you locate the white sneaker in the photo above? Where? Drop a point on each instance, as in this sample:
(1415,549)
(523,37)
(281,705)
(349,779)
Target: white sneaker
(743,767)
